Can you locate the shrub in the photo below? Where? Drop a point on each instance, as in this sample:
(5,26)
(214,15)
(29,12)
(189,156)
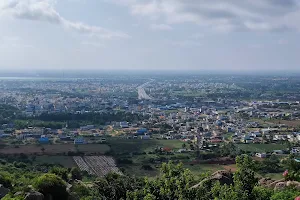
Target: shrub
(5,180)
(51,185)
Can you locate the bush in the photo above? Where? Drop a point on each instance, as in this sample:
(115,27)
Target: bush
(147,167)
(80,190)
(76,173)
(124,161)
(5,180)
(285,195)
(51,185)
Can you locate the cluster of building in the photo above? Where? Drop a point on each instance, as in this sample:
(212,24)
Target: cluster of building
(199,118)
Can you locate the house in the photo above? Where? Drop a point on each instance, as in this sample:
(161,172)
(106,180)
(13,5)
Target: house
(247,139)
(261,155)
(87,127)
(182,150)
(79,140)
(230,129)
(44,140)
(295,151)
(142,131)
(277,152)
(145,137)
(124,125)
(256,134)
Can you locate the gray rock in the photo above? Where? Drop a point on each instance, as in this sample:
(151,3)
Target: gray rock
(223,176)
(34,196)
(294,184)
(18,194)
(280,186)
(3,191)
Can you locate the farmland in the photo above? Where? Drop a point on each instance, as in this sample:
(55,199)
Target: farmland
(97,165)
(128,146)
(290,123)
(55,149)
(261,148)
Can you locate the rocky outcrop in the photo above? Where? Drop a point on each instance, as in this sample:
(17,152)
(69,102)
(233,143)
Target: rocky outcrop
(279,184)
(34,196)
(294,184)
(284,185)
(269,183)
(223,176)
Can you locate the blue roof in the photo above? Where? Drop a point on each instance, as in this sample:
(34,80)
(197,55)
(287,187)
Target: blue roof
(44,139)
(79,140)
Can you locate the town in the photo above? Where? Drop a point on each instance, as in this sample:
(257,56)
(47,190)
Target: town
(133,124)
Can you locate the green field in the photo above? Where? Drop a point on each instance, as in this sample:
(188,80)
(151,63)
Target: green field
(275,176)
(66,161)
(261,148)
(138,145)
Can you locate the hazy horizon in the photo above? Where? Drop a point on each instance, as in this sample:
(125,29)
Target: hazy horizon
(197,35)
(100,73)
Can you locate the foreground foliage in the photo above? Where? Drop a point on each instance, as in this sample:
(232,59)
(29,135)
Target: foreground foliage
(174,182)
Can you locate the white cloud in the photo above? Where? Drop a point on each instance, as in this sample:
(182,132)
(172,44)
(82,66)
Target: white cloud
(43,10)
(160,27)
(239,15)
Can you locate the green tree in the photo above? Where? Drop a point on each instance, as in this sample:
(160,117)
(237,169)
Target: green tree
(5,180)
(288,194)
(59,171)
(244,177)
(76,173)
(271,165)
(262,193)
(174,183)
(224,192)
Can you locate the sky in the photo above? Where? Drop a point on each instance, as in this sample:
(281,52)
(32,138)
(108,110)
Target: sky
(217,35)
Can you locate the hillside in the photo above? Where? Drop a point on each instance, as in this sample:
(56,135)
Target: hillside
(23,180)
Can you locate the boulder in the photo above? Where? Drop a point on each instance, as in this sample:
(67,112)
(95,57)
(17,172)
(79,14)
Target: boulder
(223,176)
(3,191)
(69,187)
(273,184)
(34,196)
(294,184)
(18,194)
(265,181)
(280,186)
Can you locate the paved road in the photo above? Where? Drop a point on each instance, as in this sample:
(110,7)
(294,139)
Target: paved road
(142,93)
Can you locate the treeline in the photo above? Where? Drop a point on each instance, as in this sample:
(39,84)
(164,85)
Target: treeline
(59,120)
(96,118)
(8,113)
